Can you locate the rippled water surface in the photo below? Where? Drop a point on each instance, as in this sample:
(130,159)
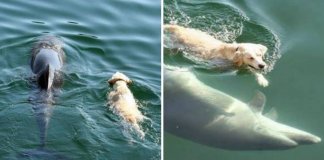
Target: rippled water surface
(100,38)
(293,33)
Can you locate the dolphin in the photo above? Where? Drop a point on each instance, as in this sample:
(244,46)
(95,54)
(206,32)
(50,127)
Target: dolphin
(200,113)
(46,64)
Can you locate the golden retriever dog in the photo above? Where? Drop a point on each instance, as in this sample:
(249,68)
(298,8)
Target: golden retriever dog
(206,47)
(122,101)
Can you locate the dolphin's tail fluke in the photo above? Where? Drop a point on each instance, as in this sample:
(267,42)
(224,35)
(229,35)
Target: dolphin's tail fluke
(46,77)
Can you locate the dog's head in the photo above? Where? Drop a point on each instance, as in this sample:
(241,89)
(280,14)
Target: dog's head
(119,77)
(250,54)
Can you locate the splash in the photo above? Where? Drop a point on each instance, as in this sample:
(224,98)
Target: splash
(129,127)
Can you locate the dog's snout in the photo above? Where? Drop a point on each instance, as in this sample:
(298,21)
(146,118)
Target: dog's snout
(261,66)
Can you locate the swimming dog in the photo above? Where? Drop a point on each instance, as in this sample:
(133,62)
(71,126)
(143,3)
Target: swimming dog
(206,47)
(122,101)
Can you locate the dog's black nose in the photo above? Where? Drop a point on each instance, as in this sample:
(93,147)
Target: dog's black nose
(261,66)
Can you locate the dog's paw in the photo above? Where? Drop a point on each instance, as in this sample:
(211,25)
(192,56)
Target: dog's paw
(262,81)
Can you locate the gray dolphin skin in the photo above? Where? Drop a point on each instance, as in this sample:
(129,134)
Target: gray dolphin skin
(197,112)
(47,61)
(46,64)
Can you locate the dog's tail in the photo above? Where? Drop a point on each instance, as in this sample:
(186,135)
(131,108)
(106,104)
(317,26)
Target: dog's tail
(46,77)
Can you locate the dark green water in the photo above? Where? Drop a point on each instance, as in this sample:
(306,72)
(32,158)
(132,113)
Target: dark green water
(293,32)
(100,37)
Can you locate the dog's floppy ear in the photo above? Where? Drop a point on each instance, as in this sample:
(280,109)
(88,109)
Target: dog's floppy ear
(119,77)
(112,81)
(263,48)
(238,59)
(238,55)
(129,81)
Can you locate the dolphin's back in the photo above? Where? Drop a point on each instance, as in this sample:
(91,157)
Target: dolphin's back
(191,104)
(47,61)
(46,57)
(46,45)
(186,82)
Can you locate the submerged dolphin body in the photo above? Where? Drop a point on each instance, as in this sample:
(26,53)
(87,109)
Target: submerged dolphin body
(197,112)
(46,64)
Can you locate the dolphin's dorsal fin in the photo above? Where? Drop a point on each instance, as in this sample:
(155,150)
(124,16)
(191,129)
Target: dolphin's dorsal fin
(46,77)
(43,77)
(258,101)
(272,114)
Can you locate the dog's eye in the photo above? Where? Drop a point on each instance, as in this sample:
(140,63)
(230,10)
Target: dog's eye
(237,48)
(251,58)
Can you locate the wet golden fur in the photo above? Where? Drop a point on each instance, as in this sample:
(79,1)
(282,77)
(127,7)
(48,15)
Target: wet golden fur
(206,47)
(123,102)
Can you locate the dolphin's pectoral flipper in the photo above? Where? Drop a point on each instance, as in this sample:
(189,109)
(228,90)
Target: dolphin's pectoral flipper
(228,114)
(258,101)
(46,77)
(224,114)
(272,114)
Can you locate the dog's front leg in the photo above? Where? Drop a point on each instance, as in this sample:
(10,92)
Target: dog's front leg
(261,79)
